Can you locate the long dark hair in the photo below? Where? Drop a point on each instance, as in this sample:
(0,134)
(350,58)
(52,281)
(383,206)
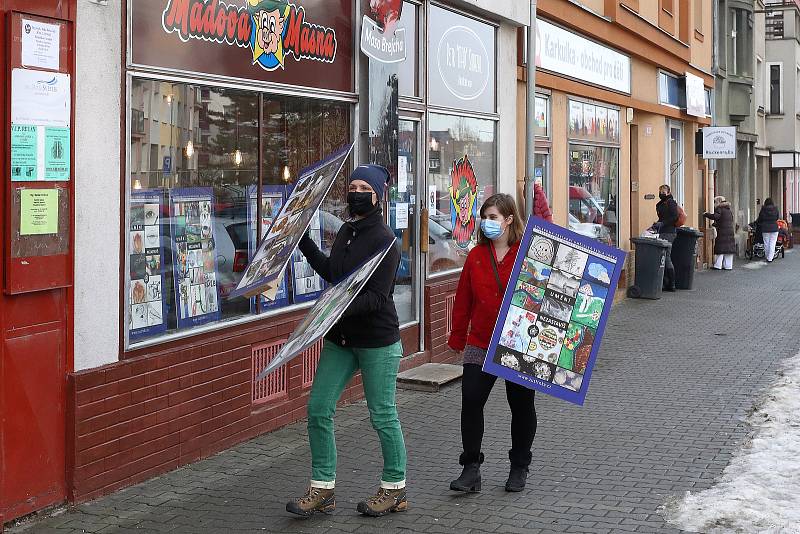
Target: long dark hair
(507,207)
(768,202)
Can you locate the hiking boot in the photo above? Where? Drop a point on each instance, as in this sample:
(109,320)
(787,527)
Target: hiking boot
(517,477)
(470,479)
(315,500)
(384,502)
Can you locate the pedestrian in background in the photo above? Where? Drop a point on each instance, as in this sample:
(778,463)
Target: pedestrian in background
(367,337)
(725,242)
(480,293)
(667,211)
(541,206)
(767,222)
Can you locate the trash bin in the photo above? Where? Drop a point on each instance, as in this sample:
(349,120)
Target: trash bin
(650,259)
(684,256)
(795,220)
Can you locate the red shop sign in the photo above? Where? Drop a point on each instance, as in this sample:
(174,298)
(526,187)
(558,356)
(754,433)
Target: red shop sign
(306,43)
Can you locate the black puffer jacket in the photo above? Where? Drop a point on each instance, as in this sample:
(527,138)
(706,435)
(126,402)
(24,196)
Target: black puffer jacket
(768,219)
(725,243)
(667,211)
(371,320)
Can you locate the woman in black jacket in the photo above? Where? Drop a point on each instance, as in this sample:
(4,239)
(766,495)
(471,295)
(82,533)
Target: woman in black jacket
(667,211)
(725,242)
(767,222)
(366,338)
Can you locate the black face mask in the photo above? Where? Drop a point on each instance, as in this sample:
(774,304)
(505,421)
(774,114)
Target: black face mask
(359,203)
(662,196)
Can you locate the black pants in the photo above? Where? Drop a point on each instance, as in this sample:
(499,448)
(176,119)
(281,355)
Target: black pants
(475,389)
(669,268)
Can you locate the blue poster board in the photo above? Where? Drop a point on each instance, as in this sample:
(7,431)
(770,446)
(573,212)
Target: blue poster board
(147,315)
(272,200)
(307,285)
(554,311)
(194,257)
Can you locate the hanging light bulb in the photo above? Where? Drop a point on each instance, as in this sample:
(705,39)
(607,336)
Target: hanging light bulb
(189,149)
(286,176)
(237,157)
(137,184)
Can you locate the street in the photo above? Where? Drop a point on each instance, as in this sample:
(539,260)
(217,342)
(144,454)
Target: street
(665,413)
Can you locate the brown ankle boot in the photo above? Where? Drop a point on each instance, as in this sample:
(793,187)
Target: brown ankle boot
(315,500)
(384,502)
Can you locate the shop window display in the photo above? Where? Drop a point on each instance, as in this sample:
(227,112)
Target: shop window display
(461,175)
(193,207)
(593,190)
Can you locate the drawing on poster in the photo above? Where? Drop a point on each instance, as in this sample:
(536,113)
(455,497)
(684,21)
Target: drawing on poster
(272,200)
(566,284)
(463,202)
(196,291)
(147,305)
(330,306)
(268,264)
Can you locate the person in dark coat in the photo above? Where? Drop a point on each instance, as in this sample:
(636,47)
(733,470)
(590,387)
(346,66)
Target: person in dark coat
(667,211)
(767,223)
(725,242)
(366,338)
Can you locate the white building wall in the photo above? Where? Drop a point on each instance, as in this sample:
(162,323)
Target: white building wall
(97,179)
(507,108)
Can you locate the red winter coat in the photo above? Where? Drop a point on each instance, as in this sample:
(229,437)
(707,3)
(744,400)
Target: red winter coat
(541,207)
(478,298)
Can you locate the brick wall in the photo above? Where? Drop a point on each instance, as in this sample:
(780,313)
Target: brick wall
(168,407)
(436,324)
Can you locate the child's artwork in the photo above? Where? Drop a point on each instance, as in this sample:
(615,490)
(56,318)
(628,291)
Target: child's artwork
(554,311)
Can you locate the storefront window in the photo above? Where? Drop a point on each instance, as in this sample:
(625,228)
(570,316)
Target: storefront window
(402,220)
(409,75)
(461,175)
(593,190)
(193,206)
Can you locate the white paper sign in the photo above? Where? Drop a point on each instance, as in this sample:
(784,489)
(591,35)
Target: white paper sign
(402,174)
(40,44)
(567,53)
(432,198)
(401,216)
(695,95)
(40,98)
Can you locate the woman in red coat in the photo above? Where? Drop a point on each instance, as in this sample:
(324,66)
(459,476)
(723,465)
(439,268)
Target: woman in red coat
(477,306)
(541,206)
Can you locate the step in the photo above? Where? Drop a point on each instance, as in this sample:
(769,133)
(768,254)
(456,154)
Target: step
(429,376)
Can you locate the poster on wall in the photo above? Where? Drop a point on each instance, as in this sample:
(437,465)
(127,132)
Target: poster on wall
(266,269)
(40,126)
(463,202)
(194,257)
(575,119)
(593,122)
(307,284)
(272,199)
(147,314)
(554,311)
(381,39)
(326,312)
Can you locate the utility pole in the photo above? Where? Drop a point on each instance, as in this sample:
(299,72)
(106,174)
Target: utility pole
(530,115)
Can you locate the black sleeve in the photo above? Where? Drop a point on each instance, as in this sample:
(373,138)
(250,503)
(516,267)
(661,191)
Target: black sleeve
(378,288)
(714,216)
(760,216)
(673,212)
(318,261)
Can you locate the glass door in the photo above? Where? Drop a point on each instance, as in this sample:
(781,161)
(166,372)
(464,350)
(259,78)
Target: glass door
(675,160)
(403,218)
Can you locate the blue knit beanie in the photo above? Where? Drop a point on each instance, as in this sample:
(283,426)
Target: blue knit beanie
(376,176)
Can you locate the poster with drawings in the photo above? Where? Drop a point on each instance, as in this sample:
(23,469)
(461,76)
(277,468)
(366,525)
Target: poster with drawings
(272,200)
(147,311)
(194,257)
(554,311)
(307,284)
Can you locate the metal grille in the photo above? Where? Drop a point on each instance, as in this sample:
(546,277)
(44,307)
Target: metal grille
(449,302)
(310,363)
(276,384)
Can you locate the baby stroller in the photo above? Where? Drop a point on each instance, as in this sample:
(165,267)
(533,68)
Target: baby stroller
(755,241)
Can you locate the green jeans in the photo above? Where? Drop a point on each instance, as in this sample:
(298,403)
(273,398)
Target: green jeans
(379,367)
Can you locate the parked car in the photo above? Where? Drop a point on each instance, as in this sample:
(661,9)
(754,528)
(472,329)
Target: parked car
(592,230)
(584,206)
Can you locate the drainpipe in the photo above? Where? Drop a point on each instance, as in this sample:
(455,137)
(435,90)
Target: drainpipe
(530,118)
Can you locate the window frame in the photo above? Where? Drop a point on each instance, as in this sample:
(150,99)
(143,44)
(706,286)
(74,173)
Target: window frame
(768,86)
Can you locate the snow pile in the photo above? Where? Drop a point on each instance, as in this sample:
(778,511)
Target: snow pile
(759,491)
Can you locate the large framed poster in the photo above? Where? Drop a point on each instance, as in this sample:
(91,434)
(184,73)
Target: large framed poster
(554,311)
(272,200)
(327,311)
(194,257)
(306,283)
(148,307)
(268,265)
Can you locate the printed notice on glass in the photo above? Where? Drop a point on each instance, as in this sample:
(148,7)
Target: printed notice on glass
(38,212)
(402,174)
(40,44)
(401,216)
(40,126)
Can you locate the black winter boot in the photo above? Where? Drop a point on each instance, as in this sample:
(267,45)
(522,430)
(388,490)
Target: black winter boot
(470,479)
(518,474)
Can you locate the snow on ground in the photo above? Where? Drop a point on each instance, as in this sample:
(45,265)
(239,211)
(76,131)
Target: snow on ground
(755,264)
(759,491)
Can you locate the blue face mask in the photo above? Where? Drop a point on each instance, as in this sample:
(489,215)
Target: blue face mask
(491,229)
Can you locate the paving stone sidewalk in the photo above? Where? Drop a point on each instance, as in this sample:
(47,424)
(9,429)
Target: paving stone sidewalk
(665,412)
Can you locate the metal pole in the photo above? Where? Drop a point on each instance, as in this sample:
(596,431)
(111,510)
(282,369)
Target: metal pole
(530,119)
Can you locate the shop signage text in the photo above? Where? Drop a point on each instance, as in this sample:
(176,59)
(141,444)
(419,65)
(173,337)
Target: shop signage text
(381,39)
(564,52)
(462,63)
(719,142)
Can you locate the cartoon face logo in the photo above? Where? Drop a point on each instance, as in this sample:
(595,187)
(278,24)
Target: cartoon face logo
(386,13)
(268,19)
(463,201)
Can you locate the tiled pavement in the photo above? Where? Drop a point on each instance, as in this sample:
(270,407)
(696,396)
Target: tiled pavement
(665,411)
